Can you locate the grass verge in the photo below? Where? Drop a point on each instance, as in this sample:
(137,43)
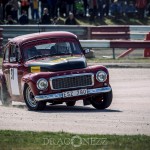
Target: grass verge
(123,60)
(17,140)
(1,59)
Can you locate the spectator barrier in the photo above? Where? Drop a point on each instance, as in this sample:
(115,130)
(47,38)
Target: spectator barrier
(147,50)
(11,31)
(134,44)
(118,32)
(110,32)
(84,33)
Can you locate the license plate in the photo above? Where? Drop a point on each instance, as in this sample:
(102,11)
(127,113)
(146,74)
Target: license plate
(74,93)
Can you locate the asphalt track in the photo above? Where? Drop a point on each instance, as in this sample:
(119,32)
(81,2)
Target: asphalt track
(128,114)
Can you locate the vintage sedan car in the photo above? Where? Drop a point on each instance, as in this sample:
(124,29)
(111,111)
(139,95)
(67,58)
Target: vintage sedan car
(50,67)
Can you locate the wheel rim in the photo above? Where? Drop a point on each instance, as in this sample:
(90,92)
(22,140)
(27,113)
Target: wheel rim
(30,98)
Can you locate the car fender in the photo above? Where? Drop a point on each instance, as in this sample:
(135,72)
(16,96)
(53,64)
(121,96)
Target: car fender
(31,80)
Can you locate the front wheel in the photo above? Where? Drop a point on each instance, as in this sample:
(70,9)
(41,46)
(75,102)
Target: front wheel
(30,101)
(102,101)
(4,97)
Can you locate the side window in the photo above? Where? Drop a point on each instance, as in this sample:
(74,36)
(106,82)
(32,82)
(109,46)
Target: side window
(6,54)
(13,53)
(18,53)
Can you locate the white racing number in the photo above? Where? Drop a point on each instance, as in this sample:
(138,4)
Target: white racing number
(14,81)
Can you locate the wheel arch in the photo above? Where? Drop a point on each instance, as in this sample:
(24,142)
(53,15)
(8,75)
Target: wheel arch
(29,80)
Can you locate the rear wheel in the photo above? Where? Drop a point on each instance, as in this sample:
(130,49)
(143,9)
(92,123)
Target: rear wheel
(102,101)
(30,101)
(4,96)
(71,103)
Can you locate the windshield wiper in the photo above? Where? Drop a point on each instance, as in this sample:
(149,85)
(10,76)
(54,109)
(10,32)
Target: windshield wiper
(57,54)
(46,55)
(34,57)
(65,54)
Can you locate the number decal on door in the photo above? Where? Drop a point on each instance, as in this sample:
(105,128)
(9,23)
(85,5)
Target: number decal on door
(14,81)
(11,73)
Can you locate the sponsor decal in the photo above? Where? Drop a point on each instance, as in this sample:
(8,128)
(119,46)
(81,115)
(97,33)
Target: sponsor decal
(58,60)
(71,57)
(35,69)
(62,59)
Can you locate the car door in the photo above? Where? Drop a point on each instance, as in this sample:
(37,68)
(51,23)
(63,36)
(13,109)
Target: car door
(12,69)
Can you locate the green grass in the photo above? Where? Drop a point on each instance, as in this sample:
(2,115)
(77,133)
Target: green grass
(48,140)
(1,60)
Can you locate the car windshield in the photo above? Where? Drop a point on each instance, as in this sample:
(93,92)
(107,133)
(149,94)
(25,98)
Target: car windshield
(51,47)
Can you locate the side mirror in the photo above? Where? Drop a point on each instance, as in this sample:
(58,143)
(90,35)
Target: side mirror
(86,51)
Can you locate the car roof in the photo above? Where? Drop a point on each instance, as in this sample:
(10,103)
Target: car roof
(41,35)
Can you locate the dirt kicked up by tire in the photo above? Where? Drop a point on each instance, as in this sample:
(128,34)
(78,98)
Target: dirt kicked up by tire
(4,98)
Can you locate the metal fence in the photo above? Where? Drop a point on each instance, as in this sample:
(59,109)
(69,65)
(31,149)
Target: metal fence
(90,36)
(83,32)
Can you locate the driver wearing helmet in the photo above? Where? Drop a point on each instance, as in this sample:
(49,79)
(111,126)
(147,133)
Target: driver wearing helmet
(59,48)
(30,52)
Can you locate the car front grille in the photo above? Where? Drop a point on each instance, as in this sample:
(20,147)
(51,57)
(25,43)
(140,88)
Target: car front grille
(72,81)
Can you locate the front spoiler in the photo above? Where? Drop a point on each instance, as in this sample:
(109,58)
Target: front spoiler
(60,95)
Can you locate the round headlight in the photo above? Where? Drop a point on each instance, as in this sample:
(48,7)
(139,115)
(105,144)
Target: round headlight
(42,84)
(101,76)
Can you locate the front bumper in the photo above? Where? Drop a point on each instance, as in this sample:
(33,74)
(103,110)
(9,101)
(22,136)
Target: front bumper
(60,95)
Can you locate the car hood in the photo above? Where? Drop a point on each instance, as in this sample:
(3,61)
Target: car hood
(57,63)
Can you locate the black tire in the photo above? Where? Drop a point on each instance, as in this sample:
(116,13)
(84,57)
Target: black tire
(31,103)
(102,101)
(4,96)
(71,103)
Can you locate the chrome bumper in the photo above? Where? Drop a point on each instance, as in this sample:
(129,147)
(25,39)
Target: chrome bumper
(60,95)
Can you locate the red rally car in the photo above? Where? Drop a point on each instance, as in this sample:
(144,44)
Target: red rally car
(50,67)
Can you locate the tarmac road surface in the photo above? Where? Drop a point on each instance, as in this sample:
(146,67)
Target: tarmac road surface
(128,114)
